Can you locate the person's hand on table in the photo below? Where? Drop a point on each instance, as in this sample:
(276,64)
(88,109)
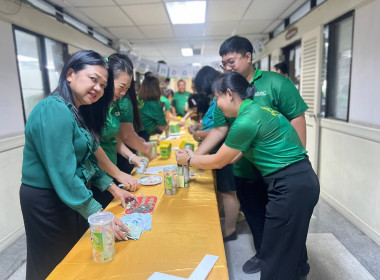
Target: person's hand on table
(118,234)
(182,122)
(123,195)
(136,161)
(182,156)
(128,181)
(193,127)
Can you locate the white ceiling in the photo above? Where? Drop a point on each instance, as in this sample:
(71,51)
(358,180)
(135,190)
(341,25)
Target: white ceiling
(144,27)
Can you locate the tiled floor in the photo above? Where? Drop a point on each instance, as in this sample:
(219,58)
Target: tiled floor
(337,251)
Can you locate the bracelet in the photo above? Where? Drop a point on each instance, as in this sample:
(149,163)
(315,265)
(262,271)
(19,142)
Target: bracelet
(188,161)
(130,158)
(110,185)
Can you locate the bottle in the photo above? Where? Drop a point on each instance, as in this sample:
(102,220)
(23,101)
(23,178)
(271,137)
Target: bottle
(180,176)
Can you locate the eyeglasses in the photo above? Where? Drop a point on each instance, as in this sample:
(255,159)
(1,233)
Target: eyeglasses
(230,62)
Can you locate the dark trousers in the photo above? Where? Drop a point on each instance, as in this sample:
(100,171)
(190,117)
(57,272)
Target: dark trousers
(52,229)
(253,197)
(292,194)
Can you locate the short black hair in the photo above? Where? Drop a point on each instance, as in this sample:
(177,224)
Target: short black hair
(236,44)
(204,79)
(282,66)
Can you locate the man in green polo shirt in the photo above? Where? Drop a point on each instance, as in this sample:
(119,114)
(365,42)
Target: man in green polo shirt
(180,99)
(276,92)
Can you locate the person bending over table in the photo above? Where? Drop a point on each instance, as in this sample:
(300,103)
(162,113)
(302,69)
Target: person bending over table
(61,136)
(267,139)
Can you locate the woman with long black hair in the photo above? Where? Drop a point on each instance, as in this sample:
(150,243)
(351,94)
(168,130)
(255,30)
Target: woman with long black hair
(61,136)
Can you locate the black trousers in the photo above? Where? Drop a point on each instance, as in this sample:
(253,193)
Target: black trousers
(292,194)
(253,197)
(52,229)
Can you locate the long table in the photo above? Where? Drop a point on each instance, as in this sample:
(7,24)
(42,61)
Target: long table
(185,227)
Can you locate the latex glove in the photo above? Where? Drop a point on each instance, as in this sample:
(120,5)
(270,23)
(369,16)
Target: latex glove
(128,181)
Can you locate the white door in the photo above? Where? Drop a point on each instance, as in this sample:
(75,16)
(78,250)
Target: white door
(310,89)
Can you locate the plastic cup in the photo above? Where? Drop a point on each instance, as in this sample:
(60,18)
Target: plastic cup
(102,237)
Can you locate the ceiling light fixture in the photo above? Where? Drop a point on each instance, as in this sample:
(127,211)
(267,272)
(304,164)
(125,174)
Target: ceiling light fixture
(188,12)
(187,51)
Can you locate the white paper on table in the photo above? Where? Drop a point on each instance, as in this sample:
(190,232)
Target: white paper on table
(157,169)
(200,273)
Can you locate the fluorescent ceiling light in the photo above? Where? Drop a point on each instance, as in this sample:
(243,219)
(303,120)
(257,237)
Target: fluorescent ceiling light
(196,64)
(188,12)
(187,51)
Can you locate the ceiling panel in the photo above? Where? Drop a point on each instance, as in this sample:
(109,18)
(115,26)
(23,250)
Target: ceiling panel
(252,26)
(107,16)
(188,30)
(157,31)
(129,32)
(89,3)
(220,28)
(147,14)
(226,10)
(272,26)
(267,9)
(129,2)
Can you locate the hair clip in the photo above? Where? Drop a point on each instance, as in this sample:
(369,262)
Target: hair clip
(106,59)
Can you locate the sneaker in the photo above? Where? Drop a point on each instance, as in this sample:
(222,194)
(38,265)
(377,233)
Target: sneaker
(252,265)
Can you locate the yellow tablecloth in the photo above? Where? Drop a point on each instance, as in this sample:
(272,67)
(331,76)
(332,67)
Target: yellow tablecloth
(185,227)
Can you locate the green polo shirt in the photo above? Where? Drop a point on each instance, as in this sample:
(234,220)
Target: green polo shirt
(272,90)
(166,102)
(179,102)
(59,155)
(120,111)
(266,138)
(152,115)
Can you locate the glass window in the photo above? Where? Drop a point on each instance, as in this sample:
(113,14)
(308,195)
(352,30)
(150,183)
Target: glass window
(279,29)
(337,69)
(300,12)
(320,2)
(54,61)
(40,62)
(29,57)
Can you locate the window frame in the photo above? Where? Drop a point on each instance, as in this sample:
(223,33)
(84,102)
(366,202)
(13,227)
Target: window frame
(42,61)
(330,66)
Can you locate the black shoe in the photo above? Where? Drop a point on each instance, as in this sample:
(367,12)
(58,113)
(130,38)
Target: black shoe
(252,265)
(232,236)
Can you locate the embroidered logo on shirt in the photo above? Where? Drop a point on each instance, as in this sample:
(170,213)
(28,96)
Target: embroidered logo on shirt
(260,93)
(273,112)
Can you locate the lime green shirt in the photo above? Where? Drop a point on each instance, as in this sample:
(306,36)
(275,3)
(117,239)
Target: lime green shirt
(152,115)
(266,138)
(179,102)
(272,90)
(166,102)
(120,111)
(59,155)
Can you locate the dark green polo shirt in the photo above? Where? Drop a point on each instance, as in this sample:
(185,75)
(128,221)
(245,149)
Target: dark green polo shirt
(266,138)
(179,102)
(59,155)
(152,115)
(272,90)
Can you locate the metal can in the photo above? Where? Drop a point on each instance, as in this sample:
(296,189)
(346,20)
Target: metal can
(180,176)
(154,148)
(170,182)
(186,175)
(143,165)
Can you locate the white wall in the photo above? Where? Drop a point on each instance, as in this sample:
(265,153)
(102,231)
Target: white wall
(11,111)
(11,114)
(365,89)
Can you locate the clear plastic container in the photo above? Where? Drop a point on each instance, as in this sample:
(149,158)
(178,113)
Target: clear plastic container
(102,237)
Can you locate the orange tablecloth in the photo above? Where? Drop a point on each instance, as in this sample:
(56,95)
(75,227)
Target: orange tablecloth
(185,227)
